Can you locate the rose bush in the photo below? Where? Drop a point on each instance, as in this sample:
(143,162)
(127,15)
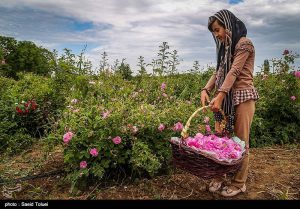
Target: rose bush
(123,129)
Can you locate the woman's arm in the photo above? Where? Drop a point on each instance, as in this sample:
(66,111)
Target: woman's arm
(211,83)
(242,54)
(206,90)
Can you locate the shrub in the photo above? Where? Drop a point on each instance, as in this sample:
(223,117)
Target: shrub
(113,108)
(277,116)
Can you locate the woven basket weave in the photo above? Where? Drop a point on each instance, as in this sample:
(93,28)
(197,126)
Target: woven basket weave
(197,163)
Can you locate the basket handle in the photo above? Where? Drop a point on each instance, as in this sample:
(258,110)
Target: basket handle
(184,133)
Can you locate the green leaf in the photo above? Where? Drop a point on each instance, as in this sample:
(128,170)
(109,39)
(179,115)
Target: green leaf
(98,170)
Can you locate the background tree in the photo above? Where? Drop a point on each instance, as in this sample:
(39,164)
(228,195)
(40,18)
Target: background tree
(153,64)
(266,67)
(124,70)
(1,56)
(7,46)
(142,71)
(115,65)
(173,62)
(53,63)
(67,61)
(24,56)
(103,61)
(163,56)
(282,65)
(196,67)
(5,69)
(83,64)
(29,58)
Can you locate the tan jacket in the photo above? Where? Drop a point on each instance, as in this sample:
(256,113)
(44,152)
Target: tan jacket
(240,75)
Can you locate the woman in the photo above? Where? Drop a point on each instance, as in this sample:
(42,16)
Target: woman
(235,93)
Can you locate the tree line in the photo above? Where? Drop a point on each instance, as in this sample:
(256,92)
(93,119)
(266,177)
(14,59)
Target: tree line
(26,56)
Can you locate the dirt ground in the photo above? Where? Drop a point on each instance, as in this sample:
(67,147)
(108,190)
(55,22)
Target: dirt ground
(274,175)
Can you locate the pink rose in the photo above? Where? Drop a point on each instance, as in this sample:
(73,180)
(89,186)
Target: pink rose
(206,119)
(237,147)
(105,114)
(94,152)
(163,86)
(209,145)
(221,155)
(221,148)
(75,110)
(192,142)
(285,52)
(161,127)
(207,128)
(233,155)
(218,143)
(189,140)
(178,127)
(117,140)
(134,129)
(199,136)
(297,74)
(67,137)
(83,164)
(293,98)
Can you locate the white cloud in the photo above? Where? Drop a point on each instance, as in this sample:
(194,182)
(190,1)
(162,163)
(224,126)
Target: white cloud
(137,27)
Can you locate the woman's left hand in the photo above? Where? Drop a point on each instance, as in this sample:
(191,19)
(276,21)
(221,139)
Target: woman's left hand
(215,104)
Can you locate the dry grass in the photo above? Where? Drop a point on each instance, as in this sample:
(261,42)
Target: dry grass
(274,175)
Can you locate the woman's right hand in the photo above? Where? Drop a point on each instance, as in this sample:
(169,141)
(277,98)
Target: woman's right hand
(204,98)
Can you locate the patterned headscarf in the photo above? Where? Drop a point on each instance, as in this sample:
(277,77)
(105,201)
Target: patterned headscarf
(235,29)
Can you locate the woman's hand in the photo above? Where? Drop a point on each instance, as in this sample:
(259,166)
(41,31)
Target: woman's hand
(215,104)
(204,99)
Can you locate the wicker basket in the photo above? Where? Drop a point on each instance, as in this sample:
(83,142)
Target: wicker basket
(200,164)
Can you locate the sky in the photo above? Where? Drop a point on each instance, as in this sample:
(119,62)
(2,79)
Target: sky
(132,28)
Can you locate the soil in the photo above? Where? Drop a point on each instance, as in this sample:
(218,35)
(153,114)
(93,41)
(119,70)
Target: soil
(274,174)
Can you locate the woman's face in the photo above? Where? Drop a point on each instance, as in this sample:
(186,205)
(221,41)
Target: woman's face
(218,31)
